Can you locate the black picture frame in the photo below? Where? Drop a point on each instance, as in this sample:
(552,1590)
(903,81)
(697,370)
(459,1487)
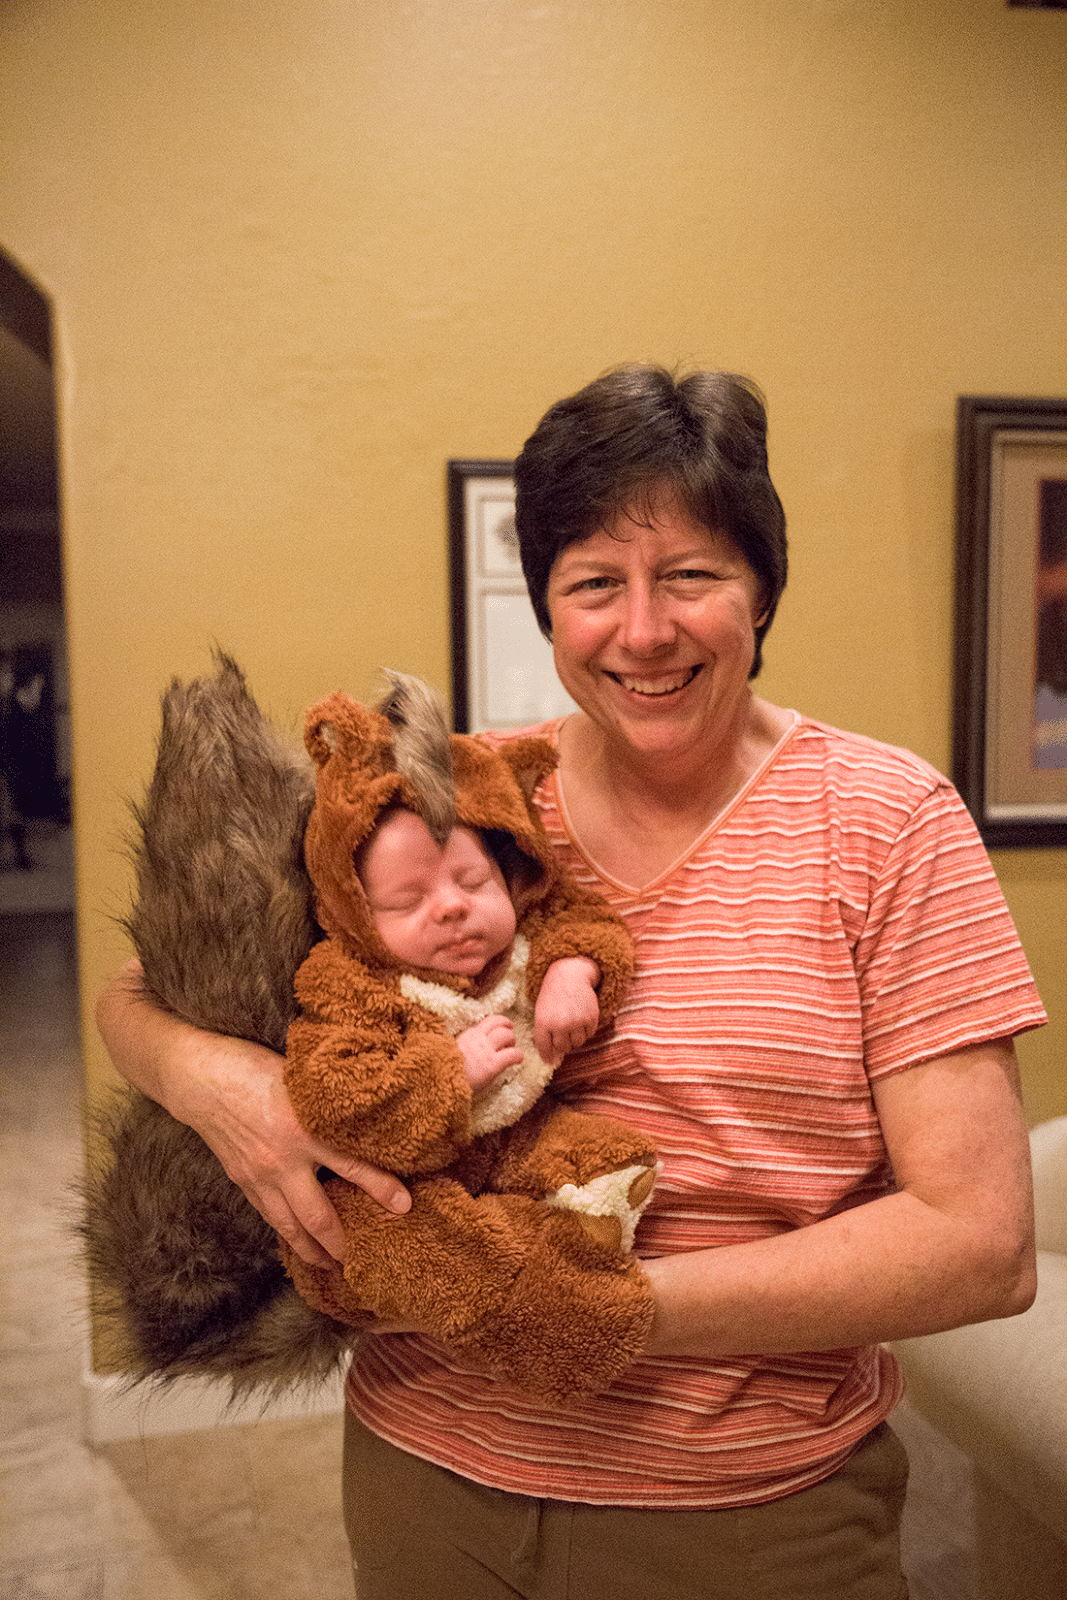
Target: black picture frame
(1011,502)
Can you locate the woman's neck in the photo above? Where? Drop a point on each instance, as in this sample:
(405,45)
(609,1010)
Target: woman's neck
(635,814)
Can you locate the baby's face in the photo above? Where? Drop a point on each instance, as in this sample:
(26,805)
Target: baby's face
(445,908)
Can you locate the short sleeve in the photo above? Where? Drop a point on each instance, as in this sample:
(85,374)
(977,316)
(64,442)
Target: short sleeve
(939,962)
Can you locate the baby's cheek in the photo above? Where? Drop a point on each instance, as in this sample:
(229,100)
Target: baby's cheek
(504,917)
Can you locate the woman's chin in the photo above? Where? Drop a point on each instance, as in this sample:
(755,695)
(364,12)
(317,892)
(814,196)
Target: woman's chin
(658,724)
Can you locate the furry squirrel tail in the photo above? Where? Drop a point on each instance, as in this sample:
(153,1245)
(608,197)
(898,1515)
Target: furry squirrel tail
(186,1279)
(222,914)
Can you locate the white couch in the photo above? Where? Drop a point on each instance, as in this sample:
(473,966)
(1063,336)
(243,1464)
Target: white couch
(998,1391)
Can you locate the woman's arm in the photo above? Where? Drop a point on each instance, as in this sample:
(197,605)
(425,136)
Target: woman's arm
(953,1244)
(231,1092)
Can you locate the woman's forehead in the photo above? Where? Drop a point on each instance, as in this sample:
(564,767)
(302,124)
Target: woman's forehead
(631,536)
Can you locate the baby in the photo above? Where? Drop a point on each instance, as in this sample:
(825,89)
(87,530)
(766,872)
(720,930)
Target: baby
(459,966)
(446,907)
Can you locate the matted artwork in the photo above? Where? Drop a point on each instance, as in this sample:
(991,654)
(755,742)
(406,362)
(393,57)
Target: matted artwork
(503,675)
(1010,734)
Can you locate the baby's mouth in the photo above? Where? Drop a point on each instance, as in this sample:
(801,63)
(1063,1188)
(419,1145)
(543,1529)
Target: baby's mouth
(656,687)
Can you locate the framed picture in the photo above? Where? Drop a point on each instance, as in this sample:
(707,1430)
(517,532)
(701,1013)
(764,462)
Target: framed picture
(503,674)
(1010,712)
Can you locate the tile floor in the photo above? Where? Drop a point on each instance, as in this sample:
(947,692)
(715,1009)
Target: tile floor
(237,1513)
(233,1513)
(49,885)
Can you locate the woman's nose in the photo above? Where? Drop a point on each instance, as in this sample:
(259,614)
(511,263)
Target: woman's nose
(645,625)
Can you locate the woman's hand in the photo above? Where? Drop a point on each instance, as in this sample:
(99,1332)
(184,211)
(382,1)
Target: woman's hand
(231,1092)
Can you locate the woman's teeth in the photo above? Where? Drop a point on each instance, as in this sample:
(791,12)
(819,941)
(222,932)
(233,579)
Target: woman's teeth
(657,686)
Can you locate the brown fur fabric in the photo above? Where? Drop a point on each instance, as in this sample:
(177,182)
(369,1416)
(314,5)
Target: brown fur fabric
(490,1260)
(185,1269)
(223,913)
(185,1274)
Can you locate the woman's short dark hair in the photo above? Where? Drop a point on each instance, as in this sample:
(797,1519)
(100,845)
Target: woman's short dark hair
(633,436)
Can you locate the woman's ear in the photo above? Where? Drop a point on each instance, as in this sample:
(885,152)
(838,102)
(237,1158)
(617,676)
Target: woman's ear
(764,610)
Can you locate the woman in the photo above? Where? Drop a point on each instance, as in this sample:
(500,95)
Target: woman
(818,1040)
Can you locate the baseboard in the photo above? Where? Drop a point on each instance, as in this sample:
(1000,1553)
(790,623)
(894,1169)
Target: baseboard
(111,1410)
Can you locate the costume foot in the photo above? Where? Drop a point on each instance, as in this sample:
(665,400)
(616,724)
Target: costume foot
(574,1320)
(325,1289)
(610,1206)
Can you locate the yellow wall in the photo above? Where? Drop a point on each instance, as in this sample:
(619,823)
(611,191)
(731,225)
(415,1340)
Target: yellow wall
(300,254)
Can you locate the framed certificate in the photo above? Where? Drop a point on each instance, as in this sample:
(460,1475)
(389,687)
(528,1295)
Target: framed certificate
(503,675)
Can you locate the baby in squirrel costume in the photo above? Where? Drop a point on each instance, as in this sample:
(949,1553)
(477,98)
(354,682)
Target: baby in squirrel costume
(455,945)
(515,1252)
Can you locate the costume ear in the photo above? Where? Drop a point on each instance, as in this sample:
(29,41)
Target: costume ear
(335,725)
(530,760)
(321,741)
(320,730)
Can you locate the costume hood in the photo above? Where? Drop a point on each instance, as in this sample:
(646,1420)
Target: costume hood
(404,755)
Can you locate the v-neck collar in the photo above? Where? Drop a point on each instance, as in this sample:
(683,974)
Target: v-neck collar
(737,800)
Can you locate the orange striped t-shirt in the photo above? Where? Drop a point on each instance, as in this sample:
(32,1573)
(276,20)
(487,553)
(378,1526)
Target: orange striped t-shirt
(838,922)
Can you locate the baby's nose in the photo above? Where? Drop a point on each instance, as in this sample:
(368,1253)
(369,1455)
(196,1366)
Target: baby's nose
(451,903)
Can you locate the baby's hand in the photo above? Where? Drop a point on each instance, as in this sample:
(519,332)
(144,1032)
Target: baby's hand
(488,1049)
(567,1012)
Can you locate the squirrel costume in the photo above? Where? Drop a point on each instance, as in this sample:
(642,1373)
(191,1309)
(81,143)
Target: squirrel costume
(515,1253)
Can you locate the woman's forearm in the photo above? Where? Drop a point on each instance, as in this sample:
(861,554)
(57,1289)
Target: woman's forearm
(892,1269)
(232,1092)
(953,1244)
(142,1039)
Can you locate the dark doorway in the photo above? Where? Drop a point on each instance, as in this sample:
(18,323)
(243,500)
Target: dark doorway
(35,845)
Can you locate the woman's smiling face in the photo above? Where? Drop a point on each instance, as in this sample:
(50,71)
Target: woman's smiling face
(653,630)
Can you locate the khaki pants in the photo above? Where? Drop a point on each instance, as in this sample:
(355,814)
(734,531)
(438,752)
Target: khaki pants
(418,1532)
